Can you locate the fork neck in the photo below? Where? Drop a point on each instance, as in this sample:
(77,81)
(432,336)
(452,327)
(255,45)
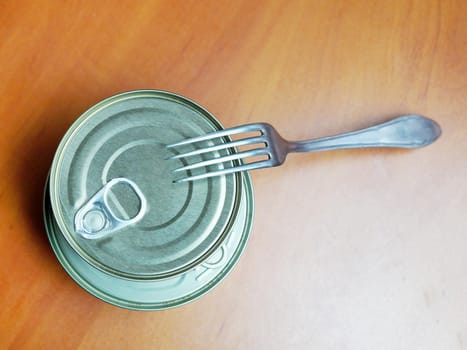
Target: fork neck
(323,144)
(358,139)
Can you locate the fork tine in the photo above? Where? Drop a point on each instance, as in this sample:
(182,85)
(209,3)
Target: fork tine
(240,155)
(247,141)
(226,132)
(231,170)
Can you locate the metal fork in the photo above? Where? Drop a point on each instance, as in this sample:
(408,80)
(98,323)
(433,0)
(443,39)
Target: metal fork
(408,131)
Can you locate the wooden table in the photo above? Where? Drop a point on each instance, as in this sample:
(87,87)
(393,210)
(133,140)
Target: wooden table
(361,249)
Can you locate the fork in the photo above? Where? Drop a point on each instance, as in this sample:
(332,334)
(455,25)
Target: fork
(410,131)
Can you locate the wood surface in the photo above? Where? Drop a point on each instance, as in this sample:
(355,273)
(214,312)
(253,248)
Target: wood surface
(360,249)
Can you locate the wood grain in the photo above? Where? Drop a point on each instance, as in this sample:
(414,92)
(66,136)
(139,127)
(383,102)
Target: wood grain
(361,249)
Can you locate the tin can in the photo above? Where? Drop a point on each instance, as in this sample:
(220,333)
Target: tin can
(119,225)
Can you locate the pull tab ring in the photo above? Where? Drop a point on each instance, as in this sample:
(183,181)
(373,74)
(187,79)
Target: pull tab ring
(96,219)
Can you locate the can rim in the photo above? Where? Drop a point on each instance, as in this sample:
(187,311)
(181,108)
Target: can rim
(53,183)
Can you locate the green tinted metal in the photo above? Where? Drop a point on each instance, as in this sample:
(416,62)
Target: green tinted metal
(124,137)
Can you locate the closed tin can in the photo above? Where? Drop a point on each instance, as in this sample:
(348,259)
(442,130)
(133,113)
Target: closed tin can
(119,225)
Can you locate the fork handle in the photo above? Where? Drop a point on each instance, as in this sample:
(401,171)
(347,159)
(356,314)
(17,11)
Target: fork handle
(408,131)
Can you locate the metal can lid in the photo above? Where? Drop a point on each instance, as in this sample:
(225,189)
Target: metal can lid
(112,194)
